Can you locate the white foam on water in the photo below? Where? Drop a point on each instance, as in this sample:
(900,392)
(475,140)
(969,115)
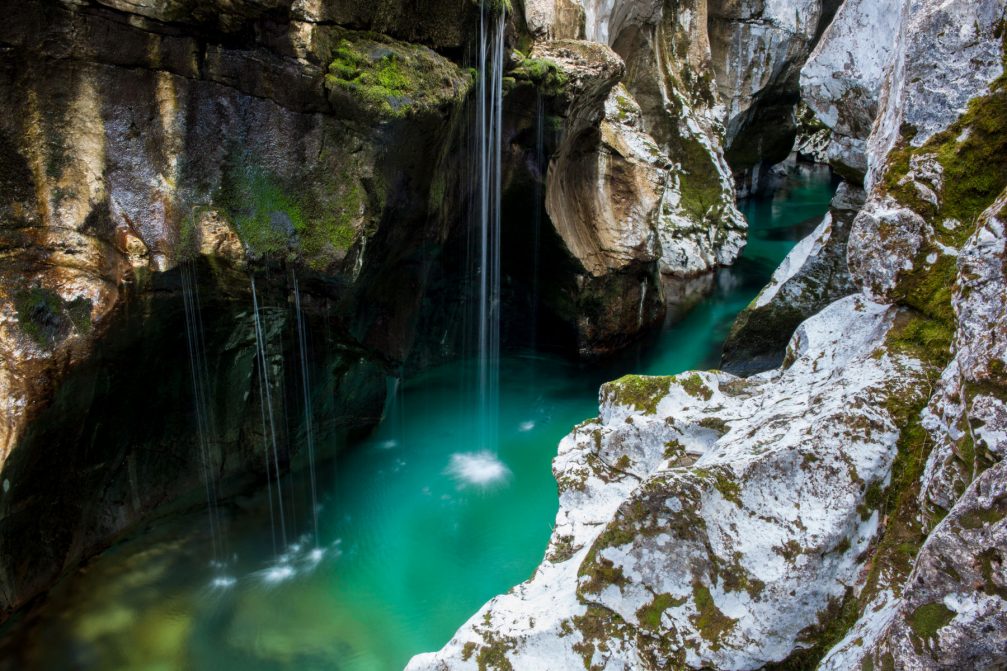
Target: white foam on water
(277,574)
(223,582)
(478,469)
(526,426)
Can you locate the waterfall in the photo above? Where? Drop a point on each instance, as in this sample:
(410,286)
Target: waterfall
(489,119)
(266,394)
(540,175)
(302,343)
(205,424)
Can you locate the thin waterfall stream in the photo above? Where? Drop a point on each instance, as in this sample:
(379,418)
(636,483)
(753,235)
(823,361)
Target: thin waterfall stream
(266,394)
(309,434)
(205,426)
(489,118)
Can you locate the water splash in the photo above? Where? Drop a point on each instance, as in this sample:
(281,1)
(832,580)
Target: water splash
(477,469)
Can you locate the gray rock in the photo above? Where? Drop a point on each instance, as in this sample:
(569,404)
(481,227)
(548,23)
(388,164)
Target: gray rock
(812,276)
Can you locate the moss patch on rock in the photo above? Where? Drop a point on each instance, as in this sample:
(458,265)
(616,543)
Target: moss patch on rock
(709,620)
(638,391)
(649,616)
(47,319)
(392,79)
(930,618)
(542,73)
(275,219)
(972,158)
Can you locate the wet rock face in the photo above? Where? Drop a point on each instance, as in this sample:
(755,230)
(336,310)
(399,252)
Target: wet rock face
(247,139)
(813,276)
(128,159)
(115,439)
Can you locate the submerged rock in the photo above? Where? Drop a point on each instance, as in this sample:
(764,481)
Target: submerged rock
(812,276)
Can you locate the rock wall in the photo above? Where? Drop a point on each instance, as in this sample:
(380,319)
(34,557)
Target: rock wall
(149,142)
(758,50)
(679,126)
(847,509)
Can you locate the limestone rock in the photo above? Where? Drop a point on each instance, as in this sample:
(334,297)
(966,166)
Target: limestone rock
(603,190)
(555,19)
(945,54)
(952,612)
(758,50)
(667,53)
(842,78)
(814,275)
(695,505)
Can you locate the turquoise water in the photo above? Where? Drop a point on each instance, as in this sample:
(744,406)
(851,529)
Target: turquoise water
(411,546)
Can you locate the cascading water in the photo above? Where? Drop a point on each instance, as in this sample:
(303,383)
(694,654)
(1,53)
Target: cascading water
(205,424)
(540,176)
(266,394)
(309,434)
(489,129)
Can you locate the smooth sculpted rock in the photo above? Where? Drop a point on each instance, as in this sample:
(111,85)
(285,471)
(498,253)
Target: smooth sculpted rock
(667,54)
(694,507)
(603,193)
(758,50)
(814,275)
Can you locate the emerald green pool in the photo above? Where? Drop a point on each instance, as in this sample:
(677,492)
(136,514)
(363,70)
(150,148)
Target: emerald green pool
(410,548)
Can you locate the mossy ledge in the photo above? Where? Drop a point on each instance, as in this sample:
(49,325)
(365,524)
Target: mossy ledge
(375,76)
(48,319)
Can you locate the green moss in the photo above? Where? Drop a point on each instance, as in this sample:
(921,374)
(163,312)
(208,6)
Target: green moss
(921,337)
(988,559)
(724,482)
(930,618)
(649,616)
(47,319)
(695,387)
(393,79)
(639,391)
(543,74)
(597,626)
(279,220)
(600,574)
(674,449)
(701,187)
(973,156)
(711,623)
(715,424)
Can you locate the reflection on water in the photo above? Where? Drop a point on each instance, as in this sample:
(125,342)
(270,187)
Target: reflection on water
(419,527)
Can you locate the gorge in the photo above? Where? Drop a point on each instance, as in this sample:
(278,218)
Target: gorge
(298,298)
